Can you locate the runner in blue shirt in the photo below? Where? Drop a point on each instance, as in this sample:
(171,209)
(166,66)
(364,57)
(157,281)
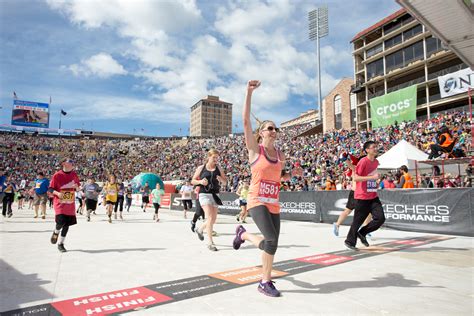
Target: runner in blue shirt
(41,197)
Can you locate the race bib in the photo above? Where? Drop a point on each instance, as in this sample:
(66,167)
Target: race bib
(111,192)
(68,197)
(268,191)
(38,185)
(372,186)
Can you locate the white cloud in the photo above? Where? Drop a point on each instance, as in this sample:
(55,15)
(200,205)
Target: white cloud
(241,22)
(333,57)
(139,18)
(249,40)
(101,65)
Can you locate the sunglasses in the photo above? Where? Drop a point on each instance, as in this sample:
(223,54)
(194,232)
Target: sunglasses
(271,129)
(69,161)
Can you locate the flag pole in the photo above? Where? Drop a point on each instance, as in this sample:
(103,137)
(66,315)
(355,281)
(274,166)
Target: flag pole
(60,116)
(469,91)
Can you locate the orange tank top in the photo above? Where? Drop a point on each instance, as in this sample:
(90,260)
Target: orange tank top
(265,184)
(408,182)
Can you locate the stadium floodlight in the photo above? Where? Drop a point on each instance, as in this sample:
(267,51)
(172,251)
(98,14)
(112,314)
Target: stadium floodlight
(318,28)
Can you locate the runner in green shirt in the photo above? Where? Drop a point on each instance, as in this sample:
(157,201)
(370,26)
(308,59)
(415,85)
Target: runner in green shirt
(157,194)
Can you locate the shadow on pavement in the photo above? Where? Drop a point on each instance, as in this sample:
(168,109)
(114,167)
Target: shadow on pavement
(433,248)
(389,280)
(27,288)
(115,250)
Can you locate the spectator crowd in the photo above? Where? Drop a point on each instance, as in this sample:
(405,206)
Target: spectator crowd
(322,157)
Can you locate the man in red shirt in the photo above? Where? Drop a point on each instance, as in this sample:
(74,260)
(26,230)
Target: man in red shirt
(367,200)
(63,186)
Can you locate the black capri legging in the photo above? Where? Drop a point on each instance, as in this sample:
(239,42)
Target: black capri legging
(269,225)
(187,204)
(119,204)
(157,207)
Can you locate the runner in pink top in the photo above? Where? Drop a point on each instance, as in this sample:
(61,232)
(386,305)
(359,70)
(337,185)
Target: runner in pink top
(63,186)
(367,201)
(267,167)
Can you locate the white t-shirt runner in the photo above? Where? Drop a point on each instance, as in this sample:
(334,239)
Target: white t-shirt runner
(186,191)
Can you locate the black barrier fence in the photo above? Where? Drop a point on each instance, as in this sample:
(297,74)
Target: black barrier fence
(443,211)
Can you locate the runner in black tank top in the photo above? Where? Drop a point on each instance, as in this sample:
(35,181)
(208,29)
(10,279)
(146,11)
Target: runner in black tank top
(208,177)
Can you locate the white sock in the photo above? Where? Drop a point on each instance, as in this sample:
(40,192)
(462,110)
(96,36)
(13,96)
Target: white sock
(61,239)
(56,231)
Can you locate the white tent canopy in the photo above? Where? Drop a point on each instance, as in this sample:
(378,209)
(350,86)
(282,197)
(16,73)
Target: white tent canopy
(402,153)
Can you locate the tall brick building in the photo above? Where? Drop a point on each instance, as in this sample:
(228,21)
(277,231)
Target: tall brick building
(211,117)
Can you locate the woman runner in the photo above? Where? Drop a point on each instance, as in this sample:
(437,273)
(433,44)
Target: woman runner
(111,194)
(242,192)
(157,195)
(267,168)
(120,199)
(208,177)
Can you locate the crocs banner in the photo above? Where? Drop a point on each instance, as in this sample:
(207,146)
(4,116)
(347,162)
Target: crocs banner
(397,106)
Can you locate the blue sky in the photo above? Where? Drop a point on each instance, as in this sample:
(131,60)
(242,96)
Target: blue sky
(119,65)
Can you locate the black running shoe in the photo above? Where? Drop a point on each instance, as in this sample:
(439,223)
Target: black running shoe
(200,235)
(61,248)
(363,240)
(193,226)
(348,245)
(54,238)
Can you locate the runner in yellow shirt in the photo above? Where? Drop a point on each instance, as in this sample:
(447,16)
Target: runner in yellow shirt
(111,194)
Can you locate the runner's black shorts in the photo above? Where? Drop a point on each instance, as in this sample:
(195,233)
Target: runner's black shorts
(63,220)
(91,204)
(351,202)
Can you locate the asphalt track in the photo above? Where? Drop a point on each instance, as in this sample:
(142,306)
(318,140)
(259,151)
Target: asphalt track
(142,267)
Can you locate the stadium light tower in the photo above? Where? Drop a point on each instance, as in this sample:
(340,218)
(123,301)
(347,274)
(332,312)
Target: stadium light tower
(318,28)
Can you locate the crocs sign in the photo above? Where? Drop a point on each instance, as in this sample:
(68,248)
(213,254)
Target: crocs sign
(394,107)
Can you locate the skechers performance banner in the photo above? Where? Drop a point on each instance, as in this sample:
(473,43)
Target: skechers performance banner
(440,211)
(394,107)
